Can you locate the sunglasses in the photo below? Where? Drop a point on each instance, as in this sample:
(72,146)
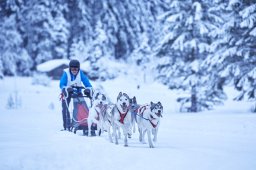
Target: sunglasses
(74,69)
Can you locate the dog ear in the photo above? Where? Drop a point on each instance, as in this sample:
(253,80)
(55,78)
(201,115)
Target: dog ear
(159,103)
(97,94)
(152,105)
(134,99)
(161,107)
(104,97)
(126,95)
(119,95)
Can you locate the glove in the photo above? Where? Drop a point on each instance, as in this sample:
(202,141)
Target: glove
(70,90)
(64,92)
(88,92)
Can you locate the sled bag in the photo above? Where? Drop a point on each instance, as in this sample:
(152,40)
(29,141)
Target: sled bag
(80,112)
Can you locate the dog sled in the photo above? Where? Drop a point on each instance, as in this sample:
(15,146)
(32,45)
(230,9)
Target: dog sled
(80,111)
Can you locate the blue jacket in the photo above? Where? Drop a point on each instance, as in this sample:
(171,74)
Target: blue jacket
(64,79)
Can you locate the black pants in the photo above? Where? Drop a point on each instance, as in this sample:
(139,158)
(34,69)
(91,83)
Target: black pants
(66,114)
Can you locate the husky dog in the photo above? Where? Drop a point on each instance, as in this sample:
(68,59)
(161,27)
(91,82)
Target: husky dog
(148,120)
(96,112)
(106,120)
(121,117)
(134,111)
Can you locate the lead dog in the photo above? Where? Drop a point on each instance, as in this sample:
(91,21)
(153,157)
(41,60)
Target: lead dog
(148,120)
(121,117)
(96,112)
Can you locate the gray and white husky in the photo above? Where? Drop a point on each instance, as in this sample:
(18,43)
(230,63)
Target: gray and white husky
(97,111)
(148,120)
(121,117)
(134,108)
(106,123)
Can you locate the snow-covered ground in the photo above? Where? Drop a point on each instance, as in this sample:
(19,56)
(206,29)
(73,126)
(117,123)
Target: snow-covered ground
(222,139)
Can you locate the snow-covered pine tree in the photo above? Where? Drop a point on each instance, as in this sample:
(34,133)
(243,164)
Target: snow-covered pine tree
(58,28)
(115,34)
(184,46)
(44,29)
(80,18)
(233,50)
(14,59)
(148,37)
(98,51)
(125,22)
(246,49)
(32,21)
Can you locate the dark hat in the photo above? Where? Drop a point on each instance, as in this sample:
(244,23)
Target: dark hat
(74,63)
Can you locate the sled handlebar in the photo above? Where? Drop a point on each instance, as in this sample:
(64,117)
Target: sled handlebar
(79,95)
(80,91)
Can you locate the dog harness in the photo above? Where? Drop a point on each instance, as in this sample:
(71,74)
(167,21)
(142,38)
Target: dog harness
(102,110)
(122,116)
(98,115)
(141,111)
(154,125)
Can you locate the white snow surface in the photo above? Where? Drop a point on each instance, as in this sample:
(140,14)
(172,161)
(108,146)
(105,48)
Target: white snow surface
(221,139)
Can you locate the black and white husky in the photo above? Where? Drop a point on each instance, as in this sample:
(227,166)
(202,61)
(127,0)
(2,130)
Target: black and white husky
(148,120)
(121,117)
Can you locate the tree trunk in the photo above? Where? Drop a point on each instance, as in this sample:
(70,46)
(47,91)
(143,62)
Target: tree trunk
(193,99)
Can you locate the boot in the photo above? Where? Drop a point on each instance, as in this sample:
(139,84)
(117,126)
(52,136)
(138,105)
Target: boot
(85,132)
(93,133)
